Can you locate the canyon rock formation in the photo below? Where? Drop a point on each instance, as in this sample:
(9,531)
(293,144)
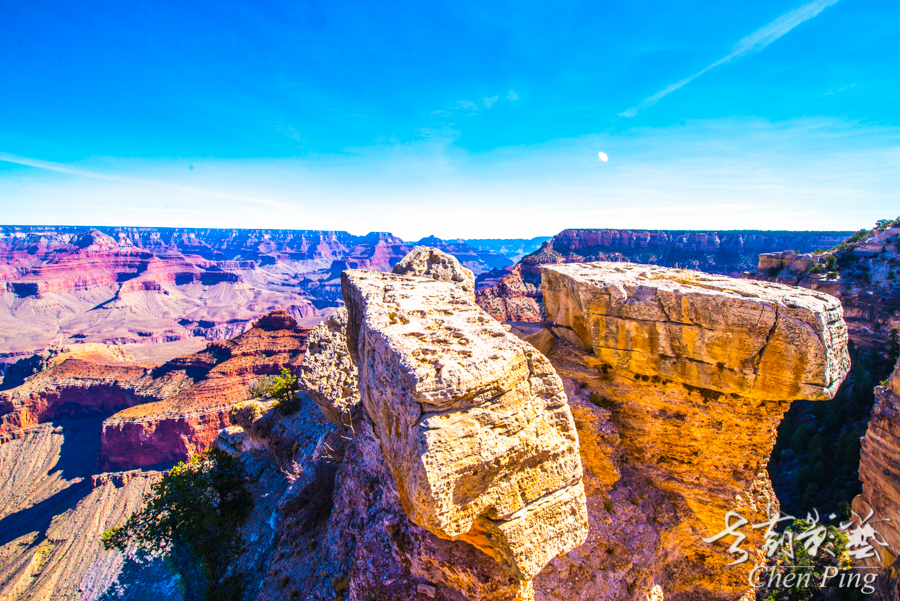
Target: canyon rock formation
(689,375)
(674,382)
(424,261)
(173,428)
(62,285)
(517,295)
(861,272)
(57,439)
(473,422)
(879,503)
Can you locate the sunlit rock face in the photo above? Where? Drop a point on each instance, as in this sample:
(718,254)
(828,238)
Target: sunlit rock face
(428,262)
(473,423)
(880,473)
(677,381)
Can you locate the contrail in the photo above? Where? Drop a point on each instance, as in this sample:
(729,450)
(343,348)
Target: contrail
(757,40)
(58,168)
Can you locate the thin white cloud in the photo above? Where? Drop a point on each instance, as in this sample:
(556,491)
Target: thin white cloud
(466,104)
(490,101)
(58,168)
(754,42)
(512,96)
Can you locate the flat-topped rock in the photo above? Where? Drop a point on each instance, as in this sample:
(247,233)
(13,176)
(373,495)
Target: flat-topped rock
(756,339)
(473,422)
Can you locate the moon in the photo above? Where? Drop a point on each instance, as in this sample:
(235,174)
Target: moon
(602,156)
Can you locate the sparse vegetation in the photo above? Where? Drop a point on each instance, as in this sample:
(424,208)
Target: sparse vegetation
(282,388)
(261,387)
(284,391)
(190,517)
(794,562)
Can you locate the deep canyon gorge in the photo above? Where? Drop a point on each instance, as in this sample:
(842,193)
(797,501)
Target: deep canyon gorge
(561,418)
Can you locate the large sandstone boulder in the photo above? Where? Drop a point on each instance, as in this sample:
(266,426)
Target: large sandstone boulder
(428,262)
(473,423)
(678,381)
(759,340)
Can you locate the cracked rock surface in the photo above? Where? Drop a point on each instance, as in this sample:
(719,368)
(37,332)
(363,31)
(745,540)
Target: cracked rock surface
(759,340)
(678,381)
(429,262)
(473,423)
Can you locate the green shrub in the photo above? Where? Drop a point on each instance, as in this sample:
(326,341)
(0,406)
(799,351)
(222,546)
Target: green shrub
(858,236)
(261,387)
(190,517)
(284,391)
(803,563)
(816,268)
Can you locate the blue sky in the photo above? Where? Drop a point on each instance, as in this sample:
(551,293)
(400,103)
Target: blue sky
(459,119)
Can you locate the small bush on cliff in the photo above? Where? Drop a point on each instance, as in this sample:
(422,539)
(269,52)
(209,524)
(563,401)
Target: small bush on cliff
(260,387)
(190,517)
(284,391)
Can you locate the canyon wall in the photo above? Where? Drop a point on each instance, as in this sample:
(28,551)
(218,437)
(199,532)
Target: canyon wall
(861,273)
(173,428)
(61,285)
(670,382)
(879,471)
(90,409)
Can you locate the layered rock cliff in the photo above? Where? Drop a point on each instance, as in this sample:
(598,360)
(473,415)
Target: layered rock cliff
(62,285)
(517,296)
(879,472)
(58,439)
(450,474)
(688,375)
(174,427)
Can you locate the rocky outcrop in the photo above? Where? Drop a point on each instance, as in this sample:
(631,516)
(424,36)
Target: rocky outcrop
(473,423)
(678,381)
(425,261)
(79,380)
(861,272)
(327,375)
(517,297)
(189,421)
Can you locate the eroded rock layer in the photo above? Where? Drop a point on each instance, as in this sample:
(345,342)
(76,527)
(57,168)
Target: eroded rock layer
(879,471)
(678,381)
(473,423)
(189,421)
